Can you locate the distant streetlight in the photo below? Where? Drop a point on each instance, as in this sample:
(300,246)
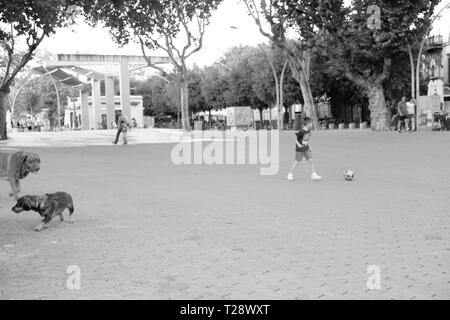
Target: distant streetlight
(223,65)
(161,77)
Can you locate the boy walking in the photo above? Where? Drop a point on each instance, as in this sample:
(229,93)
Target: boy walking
(302,150)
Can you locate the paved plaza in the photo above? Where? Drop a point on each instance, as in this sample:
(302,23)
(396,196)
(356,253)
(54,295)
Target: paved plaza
(148,229)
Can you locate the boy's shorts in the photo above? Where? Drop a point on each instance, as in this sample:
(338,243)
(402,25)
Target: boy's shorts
(299,155)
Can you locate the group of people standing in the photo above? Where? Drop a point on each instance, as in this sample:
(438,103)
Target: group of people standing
(405,115)
(30,124)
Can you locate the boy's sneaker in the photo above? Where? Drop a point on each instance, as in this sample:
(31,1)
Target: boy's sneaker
(315,177)
(290,176)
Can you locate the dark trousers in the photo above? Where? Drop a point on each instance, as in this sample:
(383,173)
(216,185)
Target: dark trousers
(119,131)
(445,123)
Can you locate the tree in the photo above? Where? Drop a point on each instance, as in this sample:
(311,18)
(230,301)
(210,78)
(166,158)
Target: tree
(304,17)
(27,22)
(159,25)
(239,75)
(366,55)
(214,88)
(160,97)
(196,98)
(40,94)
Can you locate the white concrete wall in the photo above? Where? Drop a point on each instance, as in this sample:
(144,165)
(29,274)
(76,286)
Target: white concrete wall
(445,63)
(137,111)
(8,121)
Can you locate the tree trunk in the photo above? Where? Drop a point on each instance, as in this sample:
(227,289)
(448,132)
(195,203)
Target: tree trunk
(270,117)
(209,119)
(377,106)
(184,106)
(261,118)
(3,107)
(308,99)
(301,77)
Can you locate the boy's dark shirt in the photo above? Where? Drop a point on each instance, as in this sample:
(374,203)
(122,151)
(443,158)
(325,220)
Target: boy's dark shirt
(402,110)
(302,137)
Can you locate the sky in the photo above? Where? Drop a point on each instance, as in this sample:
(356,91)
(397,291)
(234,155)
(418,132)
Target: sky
(218,38)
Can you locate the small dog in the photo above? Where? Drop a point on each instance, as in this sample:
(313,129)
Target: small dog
(48,206)
(15,165)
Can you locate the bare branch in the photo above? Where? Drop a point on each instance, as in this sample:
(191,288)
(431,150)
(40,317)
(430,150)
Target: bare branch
(149,61)
(174,48)
(8,64)
(258,23)
(386,71)
(24,60)
(12,37)
(169,50)
(188,33)
(10,50)
(201,27)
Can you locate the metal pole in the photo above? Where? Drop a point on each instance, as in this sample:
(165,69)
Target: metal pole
(74,115)
(413,81)
(281,85)
(57,96)
(277,87)
(159,76)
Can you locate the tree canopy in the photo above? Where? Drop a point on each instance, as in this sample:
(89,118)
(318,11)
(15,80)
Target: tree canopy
(176,27)
(366,55)
(25,23)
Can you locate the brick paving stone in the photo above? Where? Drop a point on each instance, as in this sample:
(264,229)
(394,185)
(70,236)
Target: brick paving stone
(146,229)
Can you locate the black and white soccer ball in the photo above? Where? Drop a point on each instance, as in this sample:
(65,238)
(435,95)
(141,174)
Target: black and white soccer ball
(349,175)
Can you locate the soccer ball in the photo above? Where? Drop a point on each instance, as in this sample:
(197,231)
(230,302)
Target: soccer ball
(349,175)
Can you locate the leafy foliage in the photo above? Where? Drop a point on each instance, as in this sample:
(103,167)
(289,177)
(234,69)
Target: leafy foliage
(159,25)
(28,22)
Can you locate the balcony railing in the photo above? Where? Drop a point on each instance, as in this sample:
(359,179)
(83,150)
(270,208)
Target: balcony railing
(434,41)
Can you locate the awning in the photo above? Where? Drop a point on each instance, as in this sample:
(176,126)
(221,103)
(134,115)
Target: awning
(446,91)
(59,76)
(86,72)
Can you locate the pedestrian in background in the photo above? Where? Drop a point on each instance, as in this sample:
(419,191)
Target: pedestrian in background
(411,117)
(122,128)
(444,118)
(119,130)
(402,112)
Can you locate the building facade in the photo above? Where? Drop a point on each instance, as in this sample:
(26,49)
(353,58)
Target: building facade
(437,71)
(136,112)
